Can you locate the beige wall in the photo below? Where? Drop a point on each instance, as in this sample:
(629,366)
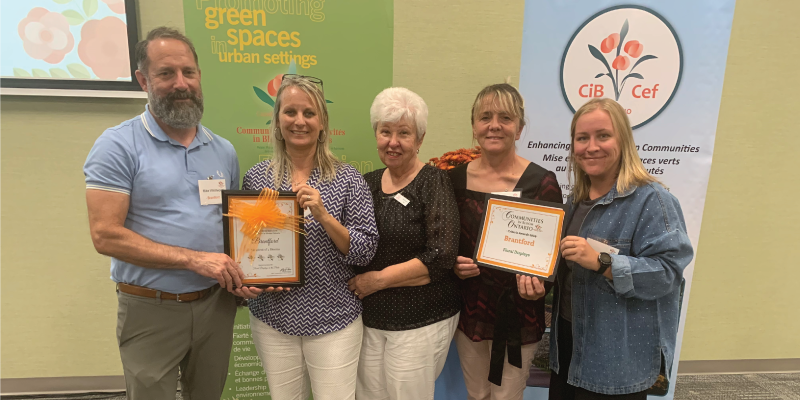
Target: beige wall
(744,302)
(58,306)
(440,53)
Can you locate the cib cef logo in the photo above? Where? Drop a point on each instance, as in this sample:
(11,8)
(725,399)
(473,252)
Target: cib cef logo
(628,53)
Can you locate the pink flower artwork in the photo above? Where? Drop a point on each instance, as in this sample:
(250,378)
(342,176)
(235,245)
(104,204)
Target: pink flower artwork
(117,6)
(104,48)
(634,48)
(609,43)
(274,85)
(621,63)
(45,35)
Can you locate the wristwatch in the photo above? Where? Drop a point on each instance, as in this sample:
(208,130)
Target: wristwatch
(605,262)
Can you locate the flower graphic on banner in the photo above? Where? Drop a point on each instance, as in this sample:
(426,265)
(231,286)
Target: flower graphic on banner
(274,85)
(621,62)
(272,88)
(45,35)
(609,43)
(634,48)
(104,48)
(117,6)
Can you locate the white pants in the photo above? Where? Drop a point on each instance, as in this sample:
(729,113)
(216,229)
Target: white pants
(400,365)
(475,357)
(329,362)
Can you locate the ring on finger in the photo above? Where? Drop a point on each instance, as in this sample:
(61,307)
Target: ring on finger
(308,197)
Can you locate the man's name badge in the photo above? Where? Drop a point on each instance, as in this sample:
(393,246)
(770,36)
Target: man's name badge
(211,191)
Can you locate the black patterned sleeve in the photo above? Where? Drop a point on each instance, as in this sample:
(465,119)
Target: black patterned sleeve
(441,221)
(549,189)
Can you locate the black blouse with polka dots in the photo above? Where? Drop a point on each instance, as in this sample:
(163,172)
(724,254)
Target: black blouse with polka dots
(426,228)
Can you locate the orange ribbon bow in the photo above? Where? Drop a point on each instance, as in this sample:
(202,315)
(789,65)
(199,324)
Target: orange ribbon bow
(264,214)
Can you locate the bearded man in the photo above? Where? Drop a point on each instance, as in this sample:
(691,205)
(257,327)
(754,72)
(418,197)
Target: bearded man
(148,182)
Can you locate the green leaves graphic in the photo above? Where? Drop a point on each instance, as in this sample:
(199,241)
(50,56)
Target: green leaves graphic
(73,17)
(59,73)
(40,73)
(89,7)
(598,55)
(79,71)
(643,59)
(622,34)
(264,96)
(21,73)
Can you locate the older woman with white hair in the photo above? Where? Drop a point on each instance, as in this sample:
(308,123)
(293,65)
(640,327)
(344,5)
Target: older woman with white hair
(411,301)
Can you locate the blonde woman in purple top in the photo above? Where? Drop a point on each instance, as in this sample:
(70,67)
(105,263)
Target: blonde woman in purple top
(313,333)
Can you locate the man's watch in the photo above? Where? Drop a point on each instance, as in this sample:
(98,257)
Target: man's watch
(605,262)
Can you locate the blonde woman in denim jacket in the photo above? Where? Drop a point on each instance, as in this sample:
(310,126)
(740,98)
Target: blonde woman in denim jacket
(615,316)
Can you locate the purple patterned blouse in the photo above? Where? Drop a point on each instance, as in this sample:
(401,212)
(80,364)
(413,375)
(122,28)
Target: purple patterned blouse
(323,304)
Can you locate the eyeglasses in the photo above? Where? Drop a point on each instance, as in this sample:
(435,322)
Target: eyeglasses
(311,79)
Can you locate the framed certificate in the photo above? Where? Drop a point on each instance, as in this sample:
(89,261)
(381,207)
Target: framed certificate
(278,259)
(520,236)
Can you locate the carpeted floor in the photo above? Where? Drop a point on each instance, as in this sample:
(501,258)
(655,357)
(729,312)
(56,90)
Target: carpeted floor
(689,387)
(738,387)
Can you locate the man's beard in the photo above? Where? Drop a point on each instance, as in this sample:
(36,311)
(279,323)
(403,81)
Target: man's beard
(179,115)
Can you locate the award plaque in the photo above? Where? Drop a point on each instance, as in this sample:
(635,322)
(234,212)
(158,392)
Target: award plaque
(521,236)
(277,259)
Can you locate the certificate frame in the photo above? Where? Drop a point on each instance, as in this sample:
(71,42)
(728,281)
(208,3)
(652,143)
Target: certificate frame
(296,277)
(524,232)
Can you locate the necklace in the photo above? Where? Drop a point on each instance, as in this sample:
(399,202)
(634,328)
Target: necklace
(302,180)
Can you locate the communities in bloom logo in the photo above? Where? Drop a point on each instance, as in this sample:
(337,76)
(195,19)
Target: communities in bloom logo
(621,62)
(606,57)
(273,85)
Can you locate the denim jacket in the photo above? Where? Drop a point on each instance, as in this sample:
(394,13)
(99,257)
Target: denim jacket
(624,328)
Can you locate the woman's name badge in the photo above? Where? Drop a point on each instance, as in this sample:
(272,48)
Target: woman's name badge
(211,191)
(515,193)
(402,199)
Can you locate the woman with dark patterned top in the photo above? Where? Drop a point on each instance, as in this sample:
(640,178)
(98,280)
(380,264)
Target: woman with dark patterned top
(495,320)
(410,298)
(316,329)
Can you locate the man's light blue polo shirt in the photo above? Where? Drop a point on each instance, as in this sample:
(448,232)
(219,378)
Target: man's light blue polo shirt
(160,175)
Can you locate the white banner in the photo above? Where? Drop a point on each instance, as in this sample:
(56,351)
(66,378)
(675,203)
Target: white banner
(664,62)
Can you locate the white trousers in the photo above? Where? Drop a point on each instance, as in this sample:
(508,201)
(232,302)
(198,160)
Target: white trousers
(475,358)
(401,365)
(328,362)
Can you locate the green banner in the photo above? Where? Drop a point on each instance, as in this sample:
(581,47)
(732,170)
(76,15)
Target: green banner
(246,377)
(243,46)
